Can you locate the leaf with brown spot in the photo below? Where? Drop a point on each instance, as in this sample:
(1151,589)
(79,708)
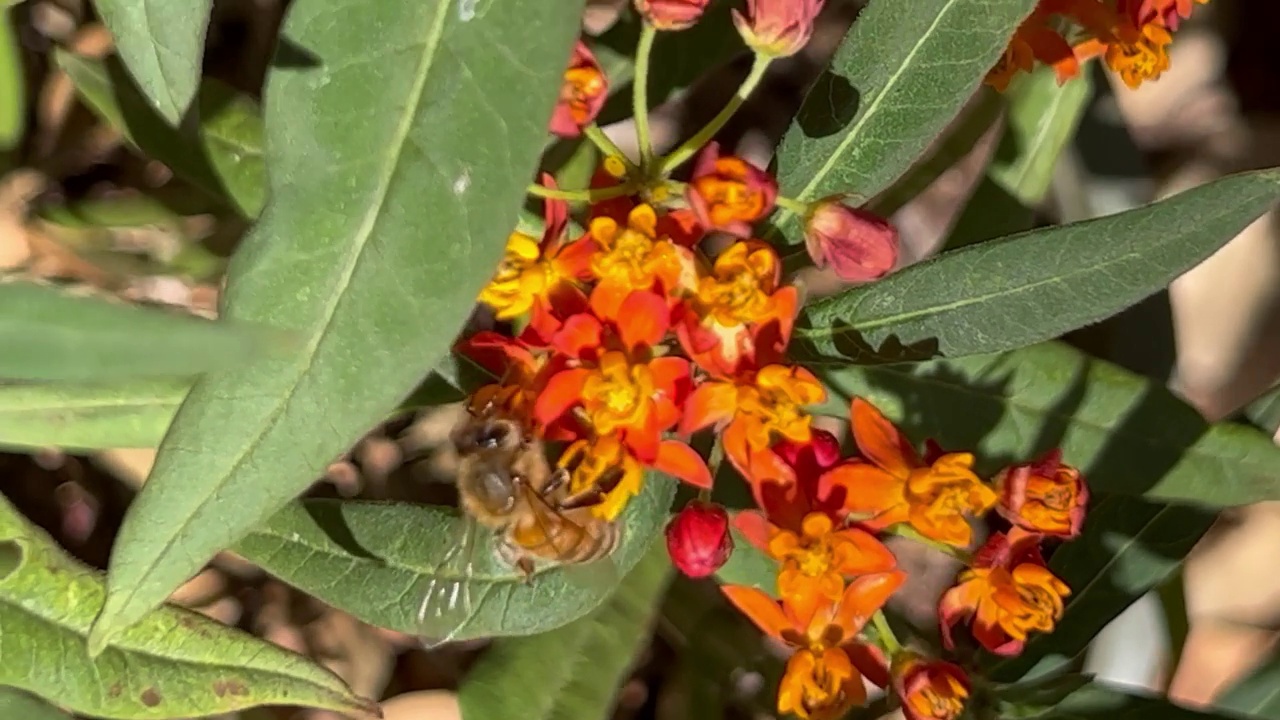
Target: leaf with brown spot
(163,667)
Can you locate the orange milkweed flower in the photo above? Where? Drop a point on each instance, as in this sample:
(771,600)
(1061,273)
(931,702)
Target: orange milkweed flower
(603,463)
(777,28)
(521,372)
(728,193)
(823,679)
(753,409)
(1044,496)
(540,274)
(672,14)
(1009,593)
(893,485)
(1139,51)
(816,559)
(582,94)
(929,689)
(738,296)
(641,255)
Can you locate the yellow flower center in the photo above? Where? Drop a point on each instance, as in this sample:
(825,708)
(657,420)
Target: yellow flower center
(940,705)
(736,293)
(1139,54)
(629,256)
(619,394)
(582,85)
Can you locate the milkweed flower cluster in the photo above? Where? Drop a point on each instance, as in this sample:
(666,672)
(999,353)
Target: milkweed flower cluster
(823,523)
(628,338)
(1131,36)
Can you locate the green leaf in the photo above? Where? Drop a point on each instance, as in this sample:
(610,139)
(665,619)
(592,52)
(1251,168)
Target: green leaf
(902,74)
(391,555)
(1265,411)
(174,663)
(88,417)
(1099,702)
(162,44)
(572,673)
(1034,286)
(48,334)
(749,566)
(15,703)
(1129,434)
(1043,117)
(399,159)
(1257,695)
(13,93)
(1129,547)
(222,157)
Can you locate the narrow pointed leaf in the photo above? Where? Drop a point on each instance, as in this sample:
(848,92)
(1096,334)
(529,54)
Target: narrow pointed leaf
(48,334)
(13,95)
(1096,701)
(1031,287)
(902,74)
(162,43)
(221,156)
(174,663)
(401,137)
(518,679)
(1129,547)
(390,557)
(1043,117)
(1129,434)
(88,417)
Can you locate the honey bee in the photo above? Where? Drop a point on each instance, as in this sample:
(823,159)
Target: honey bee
(507,485)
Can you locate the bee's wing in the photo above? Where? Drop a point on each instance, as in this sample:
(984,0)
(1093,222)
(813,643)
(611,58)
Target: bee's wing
(595,575)
(598,576)
(447,605)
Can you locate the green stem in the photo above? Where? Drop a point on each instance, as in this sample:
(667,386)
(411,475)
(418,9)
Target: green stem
(587,196)
(906,531)
(885,633)
(691,146)
(607,146)
(640,93)
(792,206)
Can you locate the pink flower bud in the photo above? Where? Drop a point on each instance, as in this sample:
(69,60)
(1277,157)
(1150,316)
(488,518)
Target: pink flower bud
(672,14)
(857,244)
(777,28)
(698,539)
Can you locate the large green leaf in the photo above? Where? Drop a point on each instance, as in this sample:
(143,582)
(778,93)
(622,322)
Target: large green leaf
(222,156)
(48,334)
(1099,702)
(1257,695)
(13,93)
(1128,548)
(519,679)
(399,157)
(1035,286)
(16,703)
(162,43)
(88,417)
(174,663)
(901,75)
(991,212)
(1043,116)
(391,556)
(1128,433)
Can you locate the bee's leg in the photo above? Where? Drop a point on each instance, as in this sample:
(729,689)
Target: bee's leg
(594,495)
(558,479)
(513,556)
(525,566)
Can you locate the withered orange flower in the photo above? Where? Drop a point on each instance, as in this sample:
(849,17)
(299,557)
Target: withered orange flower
(1009,593)
(728,193)
(735,299)
(637,256)
(893,485)
(858,244)
(777,28)
(753,410)
(823,679)
(929,689)
(540,275)
(672,14)
(1044,496)
(582,94)
(1036,39)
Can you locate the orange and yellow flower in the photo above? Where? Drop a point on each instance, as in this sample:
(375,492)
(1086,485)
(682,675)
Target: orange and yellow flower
(640,255)
(1044,496)
(929,689)
(753,410)
(1008,592)
(823,679)
(1035,40)
(728,193)
(814,561)
(893,485)
(582,94)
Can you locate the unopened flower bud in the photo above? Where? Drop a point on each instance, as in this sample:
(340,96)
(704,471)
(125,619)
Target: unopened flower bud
(672,14)
(777,28)
(582,94)
(857,244)
(698,539)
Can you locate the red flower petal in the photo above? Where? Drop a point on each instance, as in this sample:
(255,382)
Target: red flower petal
(711,403)
(754,526)
(563,391)
(643,319)
(580,336)
(684,463)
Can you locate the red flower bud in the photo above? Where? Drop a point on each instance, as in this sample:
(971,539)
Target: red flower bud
(1044,496)
(582,94)
(857,244)
(698,539)
(672,14)
(778,28)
